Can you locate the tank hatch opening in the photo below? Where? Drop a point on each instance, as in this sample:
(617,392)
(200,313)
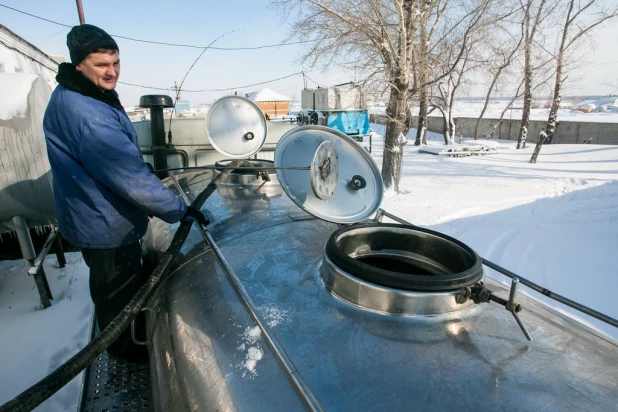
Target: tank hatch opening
(253,180)
(400,269)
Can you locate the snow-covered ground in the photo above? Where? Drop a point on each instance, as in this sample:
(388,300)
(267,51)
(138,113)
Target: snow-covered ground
(554,222)
(34,342)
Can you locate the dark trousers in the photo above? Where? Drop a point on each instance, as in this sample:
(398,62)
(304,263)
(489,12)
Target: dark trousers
(115,277)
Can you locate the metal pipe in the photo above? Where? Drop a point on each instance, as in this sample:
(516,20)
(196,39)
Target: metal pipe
(179,188)
(60,258)
(283,358)
(252,168)
(159,149)
(546,292)
(29,254)
(559,298)
(156,104)
(23,236)
(38,262)
(80,12)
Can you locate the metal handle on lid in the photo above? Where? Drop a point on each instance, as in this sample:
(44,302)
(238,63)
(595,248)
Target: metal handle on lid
(358,182)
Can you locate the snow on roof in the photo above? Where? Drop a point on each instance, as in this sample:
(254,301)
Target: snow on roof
(15,90)
(267,95)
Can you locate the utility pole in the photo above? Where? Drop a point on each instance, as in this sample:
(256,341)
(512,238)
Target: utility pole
(80,11)
(177,90)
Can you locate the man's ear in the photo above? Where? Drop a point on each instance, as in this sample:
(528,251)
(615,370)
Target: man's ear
(78,67)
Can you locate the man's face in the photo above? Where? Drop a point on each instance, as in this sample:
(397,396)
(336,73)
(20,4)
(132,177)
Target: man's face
(102,69)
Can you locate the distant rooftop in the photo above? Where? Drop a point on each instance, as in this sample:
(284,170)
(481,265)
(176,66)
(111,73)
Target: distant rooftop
(267,95)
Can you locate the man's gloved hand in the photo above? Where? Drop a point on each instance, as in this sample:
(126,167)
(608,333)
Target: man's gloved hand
(194,215)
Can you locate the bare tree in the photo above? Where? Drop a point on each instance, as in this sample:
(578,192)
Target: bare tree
(509,105)
(534,14)
(518,93)
(446,31)
(372,36)
(585,17)
(501,57)
(613,86)
(443,97)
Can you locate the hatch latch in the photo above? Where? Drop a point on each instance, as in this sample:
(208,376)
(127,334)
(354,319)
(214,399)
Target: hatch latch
(480,294)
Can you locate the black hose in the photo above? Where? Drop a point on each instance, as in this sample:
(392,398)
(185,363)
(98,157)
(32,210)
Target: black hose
(52,383)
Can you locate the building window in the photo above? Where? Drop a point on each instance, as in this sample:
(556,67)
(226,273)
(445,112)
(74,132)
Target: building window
(2,68)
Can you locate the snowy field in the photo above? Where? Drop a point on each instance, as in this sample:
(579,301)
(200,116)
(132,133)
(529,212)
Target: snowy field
(555,223)
(34,342)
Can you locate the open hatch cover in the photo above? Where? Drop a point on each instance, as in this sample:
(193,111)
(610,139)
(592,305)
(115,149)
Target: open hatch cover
(236,127)
(359,188)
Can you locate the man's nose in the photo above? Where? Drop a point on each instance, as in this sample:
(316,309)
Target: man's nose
(111,71)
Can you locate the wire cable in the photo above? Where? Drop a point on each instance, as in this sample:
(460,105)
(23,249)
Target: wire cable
(319,84)
(47,38)
(165,43)
(214,90)
(169,131)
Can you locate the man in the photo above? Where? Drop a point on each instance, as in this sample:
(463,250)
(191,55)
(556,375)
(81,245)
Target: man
(103,190)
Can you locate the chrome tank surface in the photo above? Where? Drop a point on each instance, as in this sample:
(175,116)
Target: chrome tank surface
(208,354)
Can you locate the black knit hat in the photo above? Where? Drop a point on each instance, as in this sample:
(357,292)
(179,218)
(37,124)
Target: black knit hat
(85,39)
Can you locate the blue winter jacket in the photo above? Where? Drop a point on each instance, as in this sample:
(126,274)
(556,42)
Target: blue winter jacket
(103,190)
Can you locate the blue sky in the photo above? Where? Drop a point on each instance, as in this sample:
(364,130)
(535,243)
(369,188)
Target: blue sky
(188,22)
(254,23)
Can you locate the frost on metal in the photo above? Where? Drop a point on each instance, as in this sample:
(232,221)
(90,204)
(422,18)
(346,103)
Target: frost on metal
(253,352)
(273,316)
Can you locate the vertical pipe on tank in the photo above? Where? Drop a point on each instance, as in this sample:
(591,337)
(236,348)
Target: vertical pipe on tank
(23,236)
(29,254)
(156,103)
(159,150)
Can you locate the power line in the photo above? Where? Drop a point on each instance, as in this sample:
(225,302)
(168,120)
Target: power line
(214,48)
(319,84)
(601,64)
(148,87)
(36,17)
(213,90)
(169,44)
(47,38)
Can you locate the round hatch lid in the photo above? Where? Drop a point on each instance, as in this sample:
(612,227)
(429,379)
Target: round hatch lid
(359,189)
(236,127)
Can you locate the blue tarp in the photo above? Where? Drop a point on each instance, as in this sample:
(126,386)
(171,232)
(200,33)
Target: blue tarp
(349,121)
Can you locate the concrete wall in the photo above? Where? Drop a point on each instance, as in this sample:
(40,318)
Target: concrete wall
(566,132)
